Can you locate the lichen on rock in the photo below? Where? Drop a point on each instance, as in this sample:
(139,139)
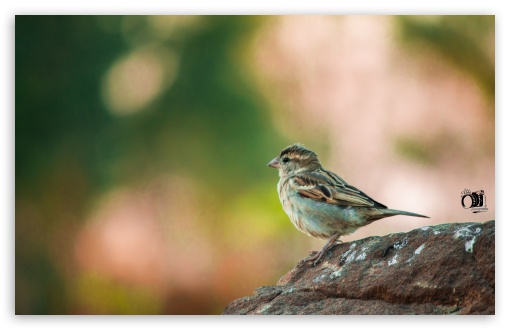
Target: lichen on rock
(443,269)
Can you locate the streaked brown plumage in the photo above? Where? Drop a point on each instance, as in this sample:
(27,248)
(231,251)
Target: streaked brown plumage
(320,203)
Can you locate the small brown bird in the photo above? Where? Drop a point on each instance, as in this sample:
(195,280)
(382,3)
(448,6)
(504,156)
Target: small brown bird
(320,203)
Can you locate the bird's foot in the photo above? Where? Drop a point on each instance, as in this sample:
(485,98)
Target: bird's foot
(318,255)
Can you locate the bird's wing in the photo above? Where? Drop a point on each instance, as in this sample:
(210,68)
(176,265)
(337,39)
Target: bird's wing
(326,187)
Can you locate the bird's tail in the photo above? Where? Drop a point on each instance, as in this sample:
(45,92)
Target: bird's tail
(384,213)
(390,212)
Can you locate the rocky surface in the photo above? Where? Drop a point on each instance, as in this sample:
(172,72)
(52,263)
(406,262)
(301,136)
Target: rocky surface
(443,269)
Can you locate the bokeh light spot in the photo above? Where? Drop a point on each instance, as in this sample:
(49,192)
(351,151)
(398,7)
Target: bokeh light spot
(136,80)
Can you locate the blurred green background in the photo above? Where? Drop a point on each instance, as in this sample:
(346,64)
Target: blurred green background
(141,152)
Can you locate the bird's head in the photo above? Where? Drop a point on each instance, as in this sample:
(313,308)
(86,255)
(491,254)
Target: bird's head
(294,159)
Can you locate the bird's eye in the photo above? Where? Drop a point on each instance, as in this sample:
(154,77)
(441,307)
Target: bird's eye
(285,160)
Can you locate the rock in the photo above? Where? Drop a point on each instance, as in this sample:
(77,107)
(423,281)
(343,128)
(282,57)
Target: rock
(443,269)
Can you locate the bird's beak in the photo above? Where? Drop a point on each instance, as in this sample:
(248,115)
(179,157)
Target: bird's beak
(274,163)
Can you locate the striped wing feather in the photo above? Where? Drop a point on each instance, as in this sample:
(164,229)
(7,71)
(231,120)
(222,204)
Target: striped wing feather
(327,187)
